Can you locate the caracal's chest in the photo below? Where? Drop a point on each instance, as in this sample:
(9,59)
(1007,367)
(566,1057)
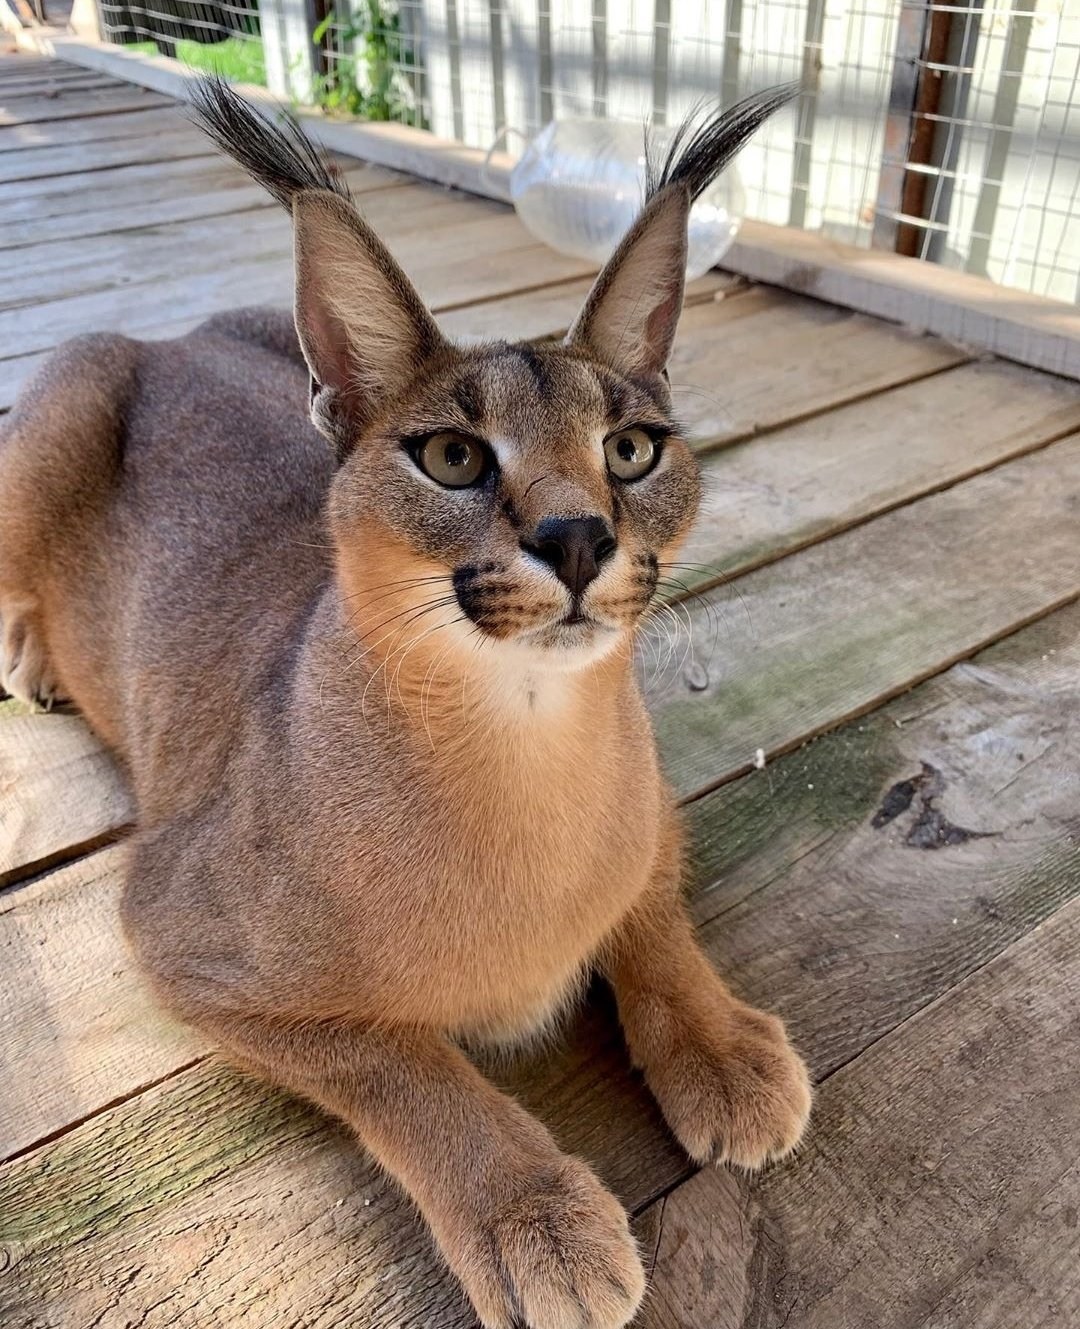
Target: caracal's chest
(486,896)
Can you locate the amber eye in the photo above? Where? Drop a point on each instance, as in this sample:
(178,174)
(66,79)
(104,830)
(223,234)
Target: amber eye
(453,459)
(630,454)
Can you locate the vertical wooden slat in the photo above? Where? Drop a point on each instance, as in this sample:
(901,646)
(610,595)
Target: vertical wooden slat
(543,36)
(911,38)
(661,58)
(599,57)
(962,43)
(807,111)
(729,77)
(287,48)
(1006,100)
(498,92)
(521,67)
(453,45)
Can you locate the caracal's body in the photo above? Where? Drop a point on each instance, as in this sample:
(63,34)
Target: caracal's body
(372,684)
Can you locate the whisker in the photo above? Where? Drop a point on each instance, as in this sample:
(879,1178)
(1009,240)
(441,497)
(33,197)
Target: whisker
(720,578)
(445,599)
(396,634)
(405,581)
(395,684)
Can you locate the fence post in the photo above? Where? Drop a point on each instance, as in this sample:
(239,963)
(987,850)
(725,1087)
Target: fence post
(85,21)
(287,49)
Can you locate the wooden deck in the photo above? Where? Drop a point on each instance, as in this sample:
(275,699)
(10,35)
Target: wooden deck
(897,630)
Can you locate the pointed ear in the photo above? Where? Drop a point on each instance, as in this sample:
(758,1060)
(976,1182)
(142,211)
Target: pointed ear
(363,328)
(632,311)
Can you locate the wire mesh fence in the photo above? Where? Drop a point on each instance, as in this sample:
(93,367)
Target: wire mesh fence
(208,34)
(945,129)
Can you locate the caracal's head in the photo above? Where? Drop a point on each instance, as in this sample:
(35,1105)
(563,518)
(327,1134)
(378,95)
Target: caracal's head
(522,496)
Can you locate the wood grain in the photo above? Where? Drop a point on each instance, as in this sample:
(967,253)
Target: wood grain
(1027,1277)
(21,136)
(133,197)
(115,1215)
(65,159)
(66,268)
(182,301)
(15,89)
(799,646)
(742,367)
(65,979)
(27,68)
(59,790)
(549,311)
(930,1153)
(973,310)
(117,185)
(820,476)
(80,104)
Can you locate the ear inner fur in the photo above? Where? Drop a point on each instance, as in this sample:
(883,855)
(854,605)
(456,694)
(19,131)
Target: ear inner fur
(363,328)
(631,313)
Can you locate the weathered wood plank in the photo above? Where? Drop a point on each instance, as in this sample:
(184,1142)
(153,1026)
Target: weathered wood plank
(928,1152)
(140,196)
(55,71)
(14,371)
(59,790)
(108,1218)
(65,977)
(975,311)
(195,295)
(819,476)
(82,103)
(119,186)
(61,159)
(1026,1278)
(66,268)
(18,61)
(212,195)
(549,311)
(96,129)
(24,65)
(41,87)
(856,619)
(743,367)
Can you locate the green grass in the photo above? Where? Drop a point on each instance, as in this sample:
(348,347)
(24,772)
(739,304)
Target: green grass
(239,59)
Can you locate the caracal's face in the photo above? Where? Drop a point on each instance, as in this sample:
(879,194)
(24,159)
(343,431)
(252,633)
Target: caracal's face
(524,497)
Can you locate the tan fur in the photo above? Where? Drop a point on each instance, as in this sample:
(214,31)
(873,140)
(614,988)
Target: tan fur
(390,802)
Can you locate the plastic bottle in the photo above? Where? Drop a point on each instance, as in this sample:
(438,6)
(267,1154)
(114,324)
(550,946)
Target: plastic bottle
(579,185)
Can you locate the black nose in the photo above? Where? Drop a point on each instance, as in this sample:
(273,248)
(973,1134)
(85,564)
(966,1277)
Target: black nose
(573,547)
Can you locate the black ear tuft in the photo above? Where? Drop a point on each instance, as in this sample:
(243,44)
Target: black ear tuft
(703,146)
(280,157)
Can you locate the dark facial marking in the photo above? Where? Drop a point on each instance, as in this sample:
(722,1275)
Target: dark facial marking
(468,398)
(481,594)
(619,399)
(510,512)
(535,364)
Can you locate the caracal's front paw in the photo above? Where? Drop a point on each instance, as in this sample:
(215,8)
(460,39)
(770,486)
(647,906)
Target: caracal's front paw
(557,1255)
(733,1090)
(25,671)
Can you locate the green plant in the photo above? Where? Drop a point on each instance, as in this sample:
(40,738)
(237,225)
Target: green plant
(239,59)
(368,73)
(368,76)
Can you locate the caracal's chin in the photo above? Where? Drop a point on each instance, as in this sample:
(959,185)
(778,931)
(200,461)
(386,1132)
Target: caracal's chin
(566,647)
